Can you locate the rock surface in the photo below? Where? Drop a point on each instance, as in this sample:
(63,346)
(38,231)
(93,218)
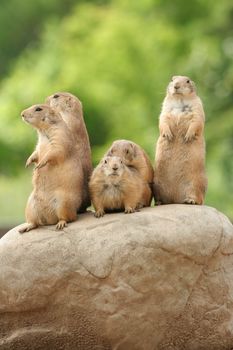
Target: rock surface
(158,279)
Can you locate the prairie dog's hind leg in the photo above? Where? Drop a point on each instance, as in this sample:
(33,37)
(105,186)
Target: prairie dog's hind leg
(189,200)
(66,212)
(131,205)
(31,215)
(28,227)
(193,195)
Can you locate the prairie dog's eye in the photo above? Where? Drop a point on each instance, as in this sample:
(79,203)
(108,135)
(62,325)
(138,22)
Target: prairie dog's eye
(105,161)
(56,96)
(188,81)
(126,151)
(38,109)
(121,162)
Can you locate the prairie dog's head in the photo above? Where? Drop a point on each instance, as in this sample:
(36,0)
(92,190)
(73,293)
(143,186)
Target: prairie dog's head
(64,102)
(124,149)
(112,166)
(41,116)
(181,86)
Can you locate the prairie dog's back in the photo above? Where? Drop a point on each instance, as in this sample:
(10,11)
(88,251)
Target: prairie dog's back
(133,155)
(70,108)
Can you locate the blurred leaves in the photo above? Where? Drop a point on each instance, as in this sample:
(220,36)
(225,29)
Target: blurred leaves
(117,57)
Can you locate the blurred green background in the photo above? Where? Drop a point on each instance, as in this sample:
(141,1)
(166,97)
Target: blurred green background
(117,57)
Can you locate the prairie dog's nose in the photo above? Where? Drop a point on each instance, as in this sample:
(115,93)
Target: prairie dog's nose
(176,86)
(115,167)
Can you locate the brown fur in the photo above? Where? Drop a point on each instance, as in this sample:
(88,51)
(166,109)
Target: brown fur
(114,186)
(58,176)
(134,156)
(70,108)
(180,154)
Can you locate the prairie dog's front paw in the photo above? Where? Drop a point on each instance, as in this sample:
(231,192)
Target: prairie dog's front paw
(30,160)
(61,224)
(41,164)
(129,210)
(99,213)
(166,133)
(190,136)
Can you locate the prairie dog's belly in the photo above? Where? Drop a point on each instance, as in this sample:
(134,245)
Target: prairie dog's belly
(42,207)
(64,177)
(180,115)
(178,107)
(112,197)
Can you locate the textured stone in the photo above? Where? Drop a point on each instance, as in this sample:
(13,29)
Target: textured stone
(158,279)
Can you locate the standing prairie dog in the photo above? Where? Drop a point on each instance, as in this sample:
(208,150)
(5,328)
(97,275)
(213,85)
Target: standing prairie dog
(180,154)
(70,108)
(134,156)
(58,175)
(114,186)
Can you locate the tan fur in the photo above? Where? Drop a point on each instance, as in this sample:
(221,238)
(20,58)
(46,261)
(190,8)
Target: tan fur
(58,176)
(70,108)
(134,156)
(114,186)
(180,153)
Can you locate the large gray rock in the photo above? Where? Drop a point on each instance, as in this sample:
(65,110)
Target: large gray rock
(159,279)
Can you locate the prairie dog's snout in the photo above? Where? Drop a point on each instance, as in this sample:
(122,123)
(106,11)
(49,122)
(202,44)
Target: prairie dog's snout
(113,166)
(31,112)
(180,85)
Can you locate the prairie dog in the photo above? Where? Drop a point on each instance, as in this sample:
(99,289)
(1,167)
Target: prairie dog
(134,156)
(70,108)
(58,175)
(115,186)
(180,154)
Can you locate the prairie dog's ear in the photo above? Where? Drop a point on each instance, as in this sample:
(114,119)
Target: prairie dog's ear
(110,152)
(174,77)
(69,102)
(193,84)
(52,117)
(134,151)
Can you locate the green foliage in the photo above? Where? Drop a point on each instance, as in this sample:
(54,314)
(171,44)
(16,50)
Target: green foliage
(117,57)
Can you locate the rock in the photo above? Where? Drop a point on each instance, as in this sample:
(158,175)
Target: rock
(158,279)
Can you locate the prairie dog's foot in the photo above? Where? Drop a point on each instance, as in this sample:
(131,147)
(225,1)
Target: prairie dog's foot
(61,224)
(189,201)
(27,228)
(129,210)
(99,213)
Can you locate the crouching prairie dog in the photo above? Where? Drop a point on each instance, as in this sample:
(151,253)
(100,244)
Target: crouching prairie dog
(58,175)
(114,186)
(180,153)
(70,108)
(135,157)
